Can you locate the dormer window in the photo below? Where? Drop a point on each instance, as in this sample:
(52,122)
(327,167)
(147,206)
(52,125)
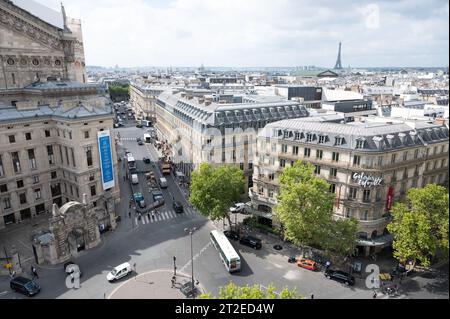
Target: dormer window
(339,141)
(286,134)
(322,139)
(309,137)
(297,135)
(360,143)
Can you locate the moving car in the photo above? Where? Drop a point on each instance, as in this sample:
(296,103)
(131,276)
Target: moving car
(134,179)
(238,208)
(25,286)
(340,276)
(139,126)
(118,272)
(251,241)
(231,234)
(177,207)
(142,204)
(162,182)
(146,160)
(157,195)
(307,264)
(141,143)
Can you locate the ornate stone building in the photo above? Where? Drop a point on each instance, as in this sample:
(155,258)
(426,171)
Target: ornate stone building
(50,119)
(35,50)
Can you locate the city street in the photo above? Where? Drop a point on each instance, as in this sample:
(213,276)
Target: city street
(151,244)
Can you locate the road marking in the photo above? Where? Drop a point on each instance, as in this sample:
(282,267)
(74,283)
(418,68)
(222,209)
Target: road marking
(3,292)
(143,220)
(24,245)
(196,255)
(166,214)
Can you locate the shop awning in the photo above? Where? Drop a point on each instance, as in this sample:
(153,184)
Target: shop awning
(380,241)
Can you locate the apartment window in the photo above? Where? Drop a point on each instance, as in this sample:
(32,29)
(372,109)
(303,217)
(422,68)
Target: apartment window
(435,150)
(37,194)
(405,156)
(333,188)
(282,162)
(360,143)
(73,157)
(6,203)
(61,154)
(435,164)
(28,136)
(57,131)
(93,190)
(356,160)
(67,155)
(71,190)
(295,150)
(307,152)
(47,133)
(284,148)
(86,135)
(366,196)
(31,159)
(241,166)
(316,169)
(64,134)
(322,139)
(70,134)
(319,154)
(273,147)
(20,183)
(261,191)
(51,157)
(35,179)
(53,175)
(416,153)
(2,171)
(89,156)
(23,198)
(352,192)
(309,137)
(339,141)
(12,138)
(380,160)
(271,193)
(3,188)
(348,213)
(443,163)
(393,158)
(16,162)
(365,215)
(335,157)
(333,172)
(271,176)
(378,195)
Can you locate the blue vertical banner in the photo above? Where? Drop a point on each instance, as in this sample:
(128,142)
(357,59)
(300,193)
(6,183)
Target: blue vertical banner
(106,159)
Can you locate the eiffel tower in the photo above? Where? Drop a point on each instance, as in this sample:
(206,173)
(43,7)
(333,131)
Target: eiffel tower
(338,65)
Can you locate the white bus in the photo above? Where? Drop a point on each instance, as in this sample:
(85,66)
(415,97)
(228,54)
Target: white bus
(229,256)
(147,138)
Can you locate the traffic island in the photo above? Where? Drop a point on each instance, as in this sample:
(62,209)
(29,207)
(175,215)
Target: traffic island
(153,285)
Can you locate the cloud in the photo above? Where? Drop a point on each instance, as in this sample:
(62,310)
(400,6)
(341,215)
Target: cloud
(261,32)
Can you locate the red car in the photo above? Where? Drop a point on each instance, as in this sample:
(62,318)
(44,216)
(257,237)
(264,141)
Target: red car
(307,264)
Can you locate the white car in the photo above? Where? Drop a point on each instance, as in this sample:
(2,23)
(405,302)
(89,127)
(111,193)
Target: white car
(118,272)
(238,208)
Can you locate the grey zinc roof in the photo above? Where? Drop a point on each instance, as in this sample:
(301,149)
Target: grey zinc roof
(377,136)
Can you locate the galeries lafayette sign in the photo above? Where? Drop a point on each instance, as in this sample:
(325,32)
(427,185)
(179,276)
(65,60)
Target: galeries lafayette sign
(367,180)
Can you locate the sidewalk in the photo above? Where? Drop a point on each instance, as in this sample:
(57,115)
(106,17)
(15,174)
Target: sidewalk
(152,285)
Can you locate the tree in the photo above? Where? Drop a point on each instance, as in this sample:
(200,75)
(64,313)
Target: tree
(342,238)
(420,227)
(233,291)
(305,205)
(214,189)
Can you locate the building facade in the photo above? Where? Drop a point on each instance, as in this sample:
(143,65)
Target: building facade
(219,129)
(369,165)
(50,120)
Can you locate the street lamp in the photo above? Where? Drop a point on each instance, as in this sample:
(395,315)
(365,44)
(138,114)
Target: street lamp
(191,231)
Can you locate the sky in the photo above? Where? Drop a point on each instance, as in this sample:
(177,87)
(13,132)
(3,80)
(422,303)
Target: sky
(271,33)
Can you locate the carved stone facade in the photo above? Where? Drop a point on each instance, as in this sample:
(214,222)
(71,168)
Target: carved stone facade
(32,50)
(72,229)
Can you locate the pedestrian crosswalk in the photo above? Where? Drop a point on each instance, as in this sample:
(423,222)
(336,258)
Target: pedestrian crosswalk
(162,215)
(128,139)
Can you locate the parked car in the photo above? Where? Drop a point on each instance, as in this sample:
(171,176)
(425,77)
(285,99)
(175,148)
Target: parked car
(119,272)
(178,207)
(238,208)
(157,195)
(134,179)
(69,270)
(307,264)
(251,241)
(139,125)
(231,234)
(146,160)
(162,182)
(340,276)
(25,286)
(142,204)
(141,143)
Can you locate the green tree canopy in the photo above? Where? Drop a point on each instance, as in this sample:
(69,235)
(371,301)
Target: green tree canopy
(420,227)
(233,291)
(342,238)
(305,205)
(215,188)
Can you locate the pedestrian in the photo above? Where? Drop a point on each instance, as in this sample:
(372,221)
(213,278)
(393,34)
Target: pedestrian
(35,274)
(327,265)
(312,296)
(13,274)
(374,294)
(129,214)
